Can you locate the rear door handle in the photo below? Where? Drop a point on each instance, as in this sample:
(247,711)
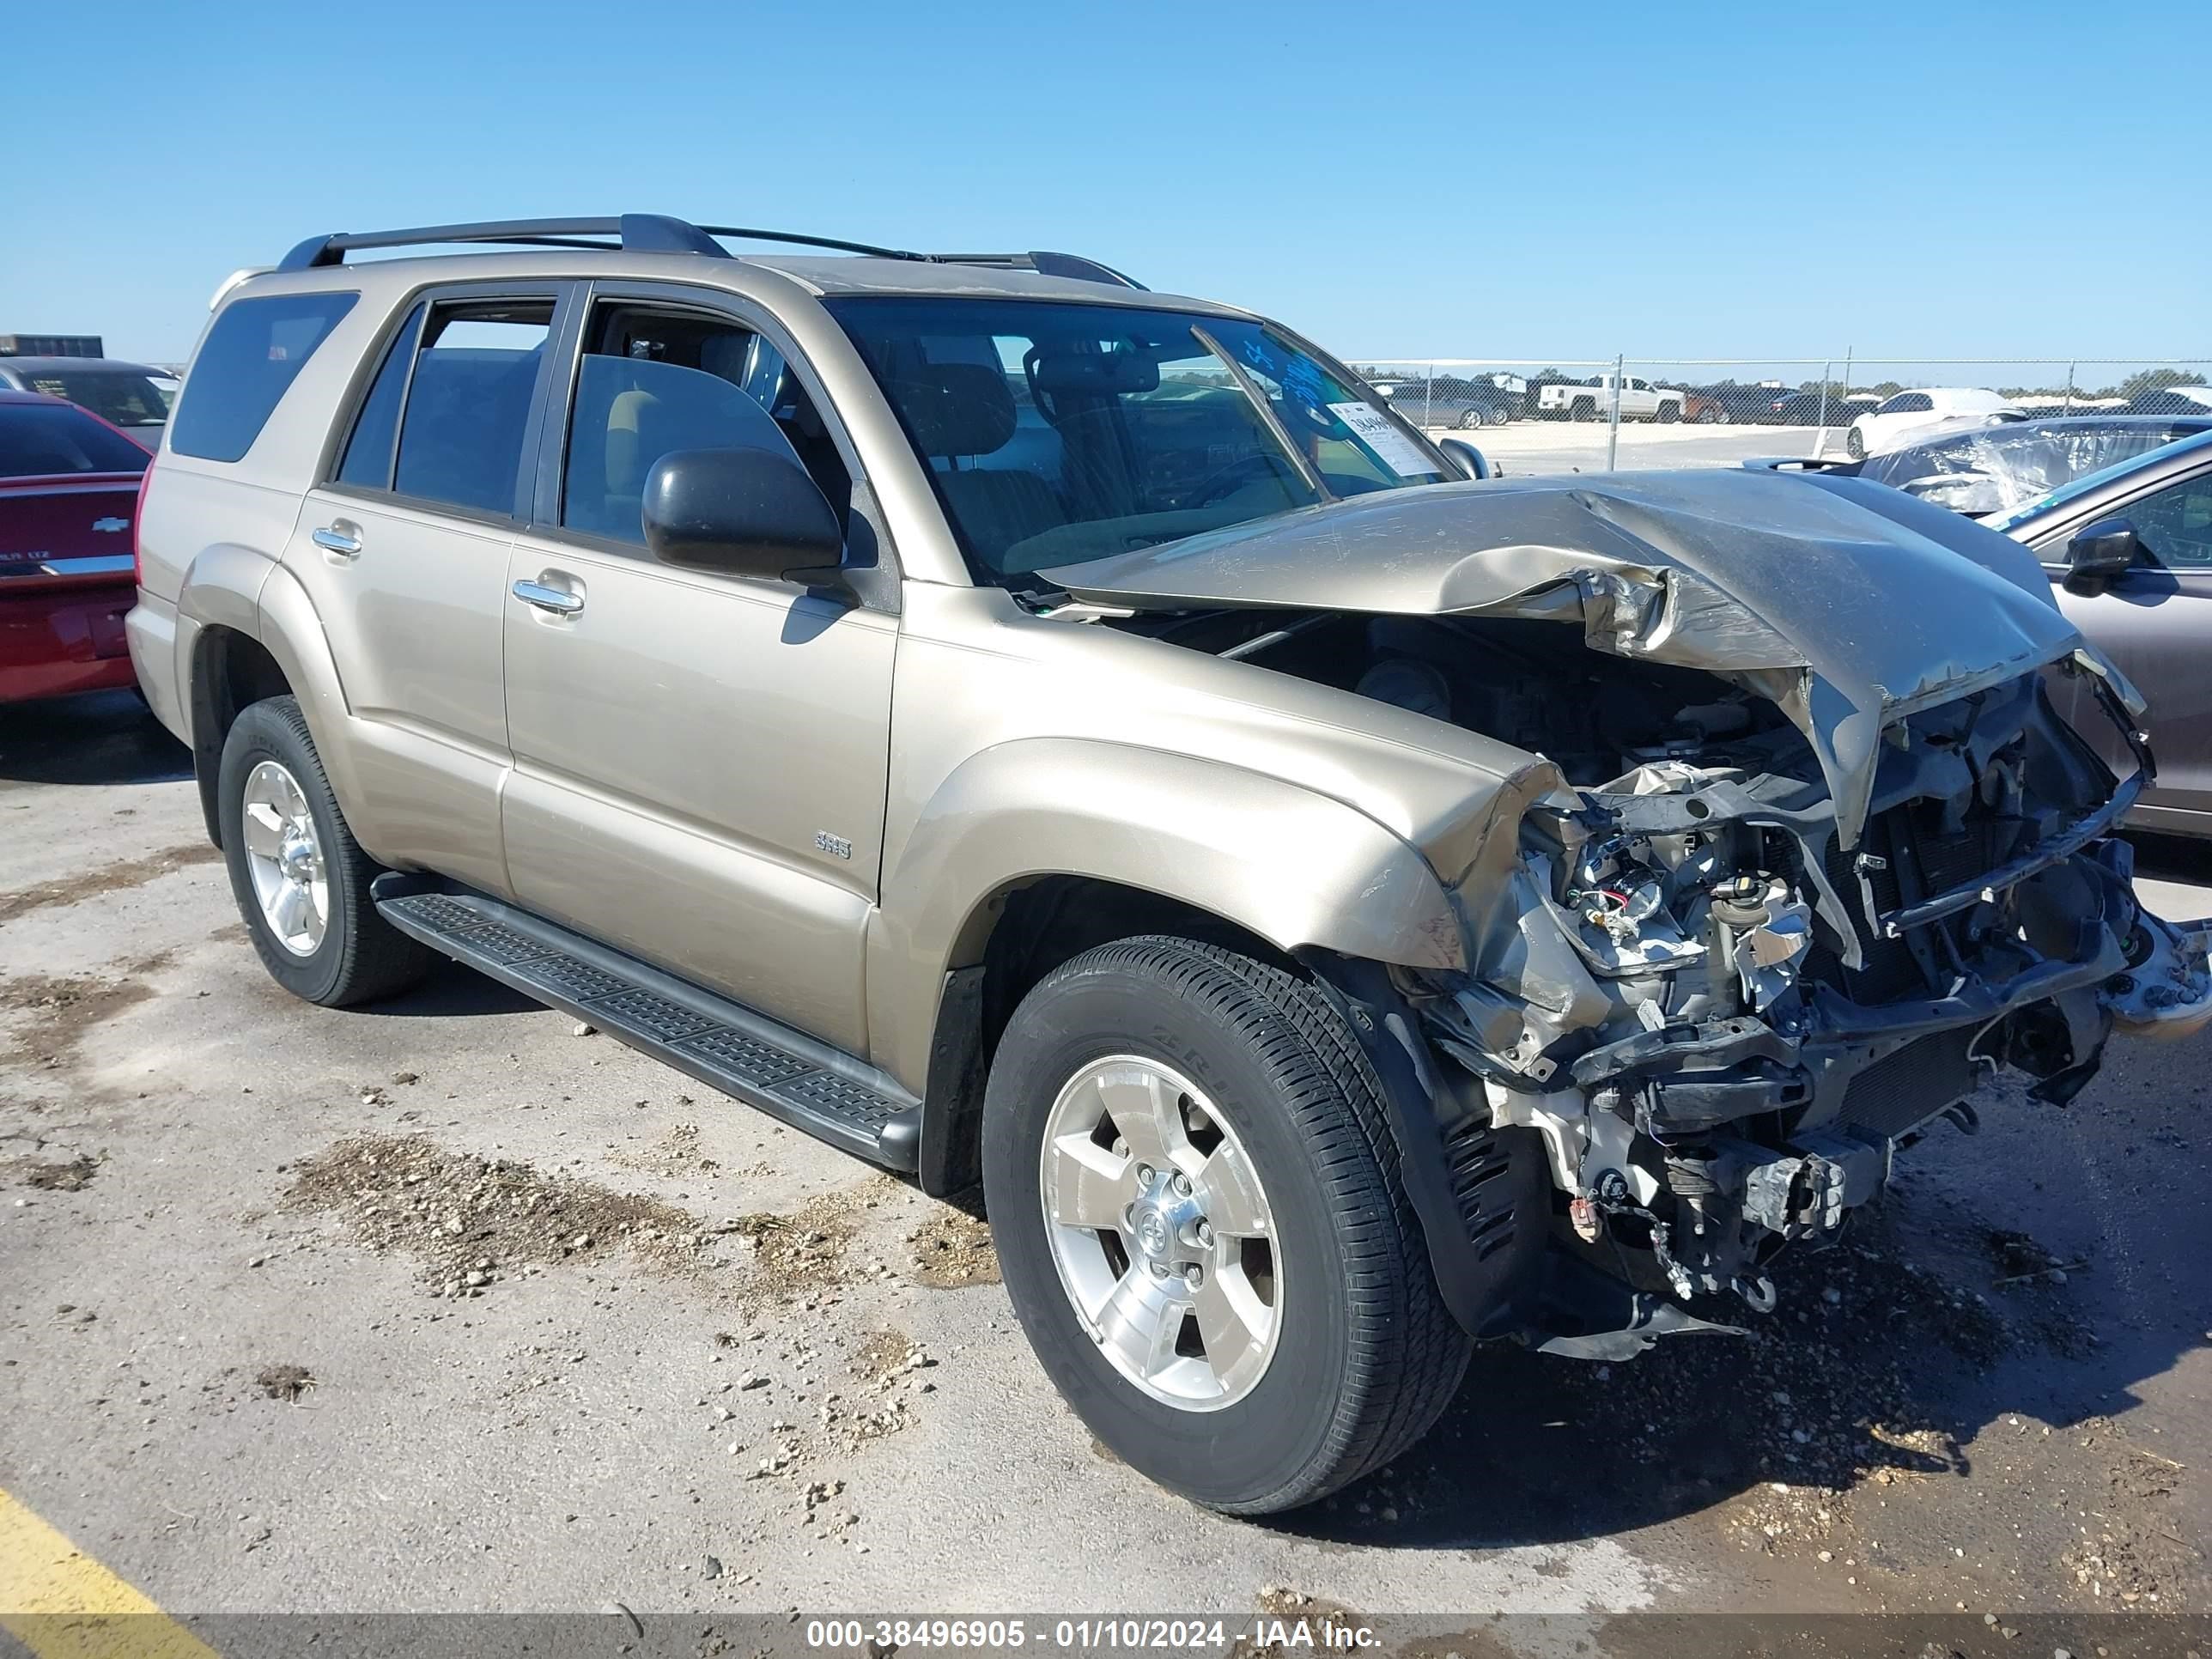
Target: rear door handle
(340,540)
(556,601)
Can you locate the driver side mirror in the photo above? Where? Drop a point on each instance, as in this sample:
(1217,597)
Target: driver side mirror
(2105,549)
(1471,461)
(745,512)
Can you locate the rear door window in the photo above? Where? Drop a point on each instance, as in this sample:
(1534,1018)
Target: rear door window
(468,404)
(252,355)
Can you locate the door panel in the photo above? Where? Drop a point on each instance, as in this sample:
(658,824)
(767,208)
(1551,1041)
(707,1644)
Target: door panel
(414,619)
(700,774)
(2155,622)
(2157,626)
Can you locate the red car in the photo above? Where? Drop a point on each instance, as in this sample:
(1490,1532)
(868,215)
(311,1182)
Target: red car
(69,511)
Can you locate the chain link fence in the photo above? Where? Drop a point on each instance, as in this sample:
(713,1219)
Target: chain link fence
(1600,414)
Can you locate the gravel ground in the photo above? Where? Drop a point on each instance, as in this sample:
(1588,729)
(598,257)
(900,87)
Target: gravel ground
(442,1306)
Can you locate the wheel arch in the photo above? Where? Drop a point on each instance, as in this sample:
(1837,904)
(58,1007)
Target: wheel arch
(255,634)
(1033,851)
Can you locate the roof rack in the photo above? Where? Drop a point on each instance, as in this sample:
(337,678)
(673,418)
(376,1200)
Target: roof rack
(657,233)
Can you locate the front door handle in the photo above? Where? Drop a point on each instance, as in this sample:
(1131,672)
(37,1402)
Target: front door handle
(557,601)
(340,540)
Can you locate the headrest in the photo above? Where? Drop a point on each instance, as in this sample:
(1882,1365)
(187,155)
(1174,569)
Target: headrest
(956,409)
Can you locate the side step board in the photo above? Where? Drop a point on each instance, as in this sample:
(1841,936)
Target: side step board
(724,1045)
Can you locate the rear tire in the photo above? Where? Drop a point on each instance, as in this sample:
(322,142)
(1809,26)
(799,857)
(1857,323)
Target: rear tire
(1584,409)
(334,948)
(1360,1354)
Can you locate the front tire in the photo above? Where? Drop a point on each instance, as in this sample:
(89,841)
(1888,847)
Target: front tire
(1855,443)
(301,879)
(1194,1195)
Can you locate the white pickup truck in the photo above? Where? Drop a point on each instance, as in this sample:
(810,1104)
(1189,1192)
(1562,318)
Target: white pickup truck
(1639,401)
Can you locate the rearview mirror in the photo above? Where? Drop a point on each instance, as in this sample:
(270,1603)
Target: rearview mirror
(2098,554)
(742,511)
(1471,461)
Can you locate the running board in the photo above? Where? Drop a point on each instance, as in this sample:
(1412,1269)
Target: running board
(792,1077)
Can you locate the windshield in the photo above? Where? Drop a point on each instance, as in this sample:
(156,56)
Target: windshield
(119,396)
(1057,432)
(2097,480)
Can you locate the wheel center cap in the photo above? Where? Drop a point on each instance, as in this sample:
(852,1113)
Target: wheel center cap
(296,858)
(1154,1236)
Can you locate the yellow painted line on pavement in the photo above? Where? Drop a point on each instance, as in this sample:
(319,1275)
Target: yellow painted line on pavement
(61,1604)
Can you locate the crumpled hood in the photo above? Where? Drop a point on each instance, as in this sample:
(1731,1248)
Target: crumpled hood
(1847,604)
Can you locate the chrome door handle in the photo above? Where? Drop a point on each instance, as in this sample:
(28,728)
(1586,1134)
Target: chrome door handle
(558,601)
(338,539)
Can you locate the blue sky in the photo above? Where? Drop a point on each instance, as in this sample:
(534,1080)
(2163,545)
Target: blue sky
(1956,179)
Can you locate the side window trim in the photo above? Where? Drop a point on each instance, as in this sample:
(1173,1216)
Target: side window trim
(430,296)
(343,431)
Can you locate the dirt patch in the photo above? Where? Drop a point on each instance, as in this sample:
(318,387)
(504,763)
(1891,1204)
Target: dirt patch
(952,1250)
(108,878)
(677,1153)
(474,1221)
(284,1382)
(893,1369)
(70,1174)
(1291,1621)
(802,1253)
(58,1009)
(2131,1551)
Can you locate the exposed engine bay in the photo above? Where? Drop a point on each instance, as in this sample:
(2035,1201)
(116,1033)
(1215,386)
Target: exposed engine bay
(1714,1013)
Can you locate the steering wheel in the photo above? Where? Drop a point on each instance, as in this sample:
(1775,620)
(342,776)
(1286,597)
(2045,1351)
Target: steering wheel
(1228,480)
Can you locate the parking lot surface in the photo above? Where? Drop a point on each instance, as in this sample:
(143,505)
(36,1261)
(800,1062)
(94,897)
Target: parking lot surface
(441,1305)
(1544,446)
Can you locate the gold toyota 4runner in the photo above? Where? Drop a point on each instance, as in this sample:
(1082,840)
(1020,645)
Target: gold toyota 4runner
(1020,727)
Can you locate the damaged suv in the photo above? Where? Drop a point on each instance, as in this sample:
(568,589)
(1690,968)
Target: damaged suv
(1028,730)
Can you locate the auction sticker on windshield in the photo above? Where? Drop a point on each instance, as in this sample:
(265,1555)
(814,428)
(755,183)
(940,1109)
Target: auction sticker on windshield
(1390,445)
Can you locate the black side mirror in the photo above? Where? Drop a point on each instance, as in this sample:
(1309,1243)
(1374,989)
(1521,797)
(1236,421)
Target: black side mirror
(2104,550)
(745,512)
(1471,461)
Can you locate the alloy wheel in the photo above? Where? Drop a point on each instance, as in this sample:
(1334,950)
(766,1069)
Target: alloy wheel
(1161,1232)
(284,858)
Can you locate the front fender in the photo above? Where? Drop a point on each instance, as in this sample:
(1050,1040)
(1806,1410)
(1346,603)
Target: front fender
(1294,866)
